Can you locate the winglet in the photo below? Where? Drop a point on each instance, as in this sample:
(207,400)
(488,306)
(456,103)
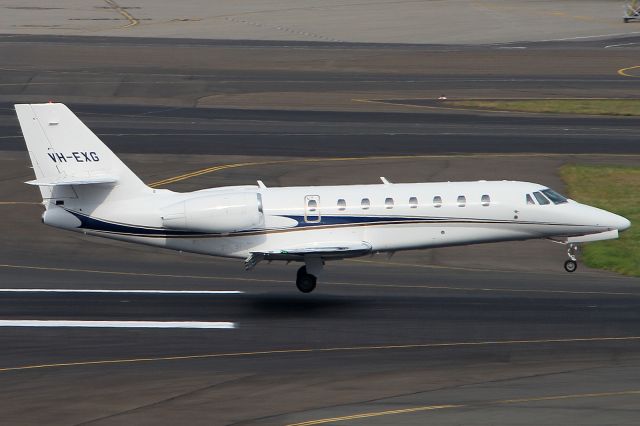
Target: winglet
(384,180)
(261,184)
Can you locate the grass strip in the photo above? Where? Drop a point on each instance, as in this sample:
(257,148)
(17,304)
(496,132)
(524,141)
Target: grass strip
(617,189)
(624,107)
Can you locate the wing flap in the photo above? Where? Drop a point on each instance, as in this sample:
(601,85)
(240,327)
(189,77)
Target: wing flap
(324,250)
(329,249)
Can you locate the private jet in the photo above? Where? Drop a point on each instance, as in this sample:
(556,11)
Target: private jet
(86,188)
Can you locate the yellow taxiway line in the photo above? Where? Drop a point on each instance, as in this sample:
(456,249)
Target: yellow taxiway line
(624,71)
(140,274)
(208,170)
(326,350)
(474,405)
(384,102)
(116,7)
(11,203)
(212,169)
(376,414)
(483,110)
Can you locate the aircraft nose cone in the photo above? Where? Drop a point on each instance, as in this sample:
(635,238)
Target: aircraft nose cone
(615,221)
(622,223)
(611,220)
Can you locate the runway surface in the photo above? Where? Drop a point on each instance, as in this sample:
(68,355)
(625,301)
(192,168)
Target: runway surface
(373,339)
(300,133)
(322,134)
(495,334)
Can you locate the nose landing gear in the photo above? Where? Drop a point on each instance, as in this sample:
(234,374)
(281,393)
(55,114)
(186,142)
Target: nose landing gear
(571,265)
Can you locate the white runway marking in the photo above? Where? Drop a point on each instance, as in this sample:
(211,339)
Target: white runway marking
(621,44)
(591,36)
(71,290)
(116,324)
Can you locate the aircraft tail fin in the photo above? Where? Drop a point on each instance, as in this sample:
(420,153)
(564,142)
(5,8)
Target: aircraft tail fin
(66,155)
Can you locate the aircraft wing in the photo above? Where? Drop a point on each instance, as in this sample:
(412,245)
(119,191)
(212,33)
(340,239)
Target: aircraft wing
(324,250)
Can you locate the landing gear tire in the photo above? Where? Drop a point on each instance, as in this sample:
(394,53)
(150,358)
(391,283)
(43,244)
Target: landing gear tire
(305,282)
(572,252)
(570,265)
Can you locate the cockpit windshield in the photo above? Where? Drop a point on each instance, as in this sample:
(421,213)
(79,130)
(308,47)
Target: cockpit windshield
(554,196)
(530,200)
(541,199)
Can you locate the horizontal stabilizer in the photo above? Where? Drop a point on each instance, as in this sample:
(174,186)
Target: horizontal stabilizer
(73,180)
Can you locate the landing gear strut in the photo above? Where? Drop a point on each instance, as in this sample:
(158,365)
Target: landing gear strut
(571,265)
(305,282)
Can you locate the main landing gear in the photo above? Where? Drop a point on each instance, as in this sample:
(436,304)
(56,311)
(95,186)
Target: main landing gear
(571,265)
(308,274)
(305,282)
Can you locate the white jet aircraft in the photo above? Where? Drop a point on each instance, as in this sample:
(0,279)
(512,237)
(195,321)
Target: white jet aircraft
(86,188)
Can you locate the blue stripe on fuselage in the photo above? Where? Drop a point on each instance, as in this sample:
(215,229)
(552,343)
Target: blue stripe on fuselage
(99,225)
(353,220)
(93,224)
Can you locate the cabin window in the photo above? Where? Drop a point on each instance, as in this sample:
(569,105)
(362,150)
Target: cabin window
(530,200)
(342,204)
(312,205)
(413,202)
(554,196)
(462,200)
(485,200)
(388,203)
(541,198)
(365,203)
(437,201)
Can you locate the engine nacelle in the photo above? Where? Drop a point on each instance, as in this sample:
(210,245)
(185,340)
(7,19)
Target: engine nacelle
(219,213)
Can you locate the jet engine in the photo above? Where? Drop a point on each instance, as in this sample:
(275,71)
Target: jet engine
(217,213)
